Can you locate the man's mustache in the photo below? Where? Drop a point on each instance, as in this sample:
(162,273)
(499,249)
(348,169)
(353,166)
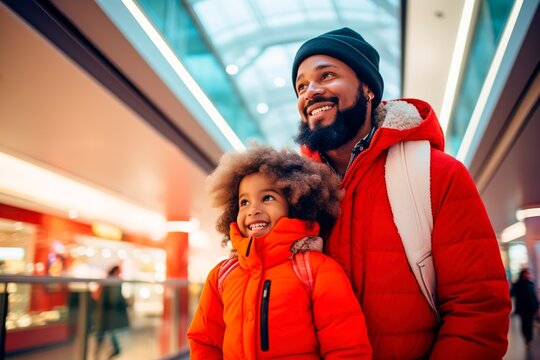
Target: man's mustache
(319,98)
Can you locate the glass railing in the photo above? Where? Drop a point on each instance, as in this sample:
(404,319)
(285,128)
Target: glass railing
(47,317)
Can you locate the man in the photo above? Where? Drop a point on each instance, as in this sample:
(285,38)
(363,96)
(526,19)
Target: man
(345,125)
(524,291)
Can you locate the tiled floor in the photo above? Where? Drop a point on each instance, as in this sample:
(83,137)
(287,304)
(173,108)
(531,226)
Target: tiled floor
(516,345)
(141,345)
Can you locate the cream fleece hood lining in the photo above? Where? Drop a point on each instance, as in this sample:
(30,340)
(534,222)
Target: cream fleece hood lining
(397,114)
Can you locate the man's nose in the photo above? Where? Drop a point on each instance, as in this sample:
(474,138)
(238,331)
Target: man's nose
(312,89)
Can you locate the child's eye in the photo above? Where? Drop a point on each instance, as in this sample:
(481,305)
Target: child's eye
(243,202)
(268,198)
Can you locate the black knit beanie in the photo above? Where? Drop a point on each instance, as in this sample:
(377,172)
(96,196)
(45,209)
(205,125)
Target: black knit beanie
(350,47)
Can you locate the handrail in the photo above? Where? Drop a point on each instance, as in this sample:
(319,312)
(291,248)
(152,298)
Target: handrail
(46,279)
(81,346)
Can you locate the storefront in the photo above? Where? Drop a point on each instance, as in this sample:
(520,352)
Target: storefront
(39,244)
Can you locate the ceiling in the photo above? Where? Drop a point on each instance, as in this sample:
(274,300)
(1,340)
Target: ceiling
(142,143)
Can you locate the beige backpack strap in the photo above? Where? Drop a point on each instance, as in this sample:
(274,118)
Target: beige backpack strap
(407,175)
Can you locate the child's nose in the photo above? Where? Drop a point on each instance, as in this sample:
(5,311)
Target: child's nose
(254,210)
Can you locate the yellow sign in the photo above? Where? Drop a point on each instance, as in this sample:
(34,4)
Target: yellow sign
(106,231)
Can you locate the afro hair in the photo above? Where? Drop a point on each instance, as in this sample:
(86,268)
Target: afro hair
(311,189)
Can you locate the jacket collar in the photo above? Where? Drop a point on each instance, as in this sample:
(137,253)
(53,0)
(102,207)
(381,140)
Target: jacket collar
(274,247)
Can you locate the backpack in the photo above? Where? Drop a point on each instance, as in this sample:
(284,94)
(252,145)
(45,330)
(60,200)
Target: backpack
(301,264)
(408,183)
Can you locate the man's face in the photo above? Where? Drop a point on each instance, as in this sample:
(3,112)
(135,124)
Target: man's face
(331,103)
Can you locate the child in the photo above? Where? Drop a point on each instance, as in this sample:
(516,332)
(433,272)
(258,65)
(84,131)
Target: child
(272,203)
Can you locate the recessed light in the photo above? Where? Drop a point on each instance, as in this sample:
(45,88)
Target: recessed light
(231,69)
(279,81)
(262,108)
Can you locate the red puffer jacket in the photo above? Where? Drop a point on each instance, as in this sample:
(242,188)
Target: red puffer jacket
(472,289)
(235,324)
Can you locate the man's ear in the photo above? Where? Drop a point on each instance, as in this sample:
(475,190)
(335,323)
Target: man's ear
(367,91)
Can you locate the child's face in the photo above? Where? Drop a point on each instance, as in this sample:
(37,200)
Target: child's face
(260,205)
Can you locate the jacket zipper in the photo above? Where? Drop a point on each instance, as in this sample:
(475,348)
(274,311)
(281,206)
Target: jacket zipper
(249,246)
(265,302)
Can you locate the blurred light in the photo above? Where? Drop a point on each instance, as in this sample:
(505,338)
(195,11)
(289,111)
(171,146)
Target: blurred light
(158,289)
(40,267)
(513,232)
(158,235)
(106,231)
(58,247)
(81,250)
(62,193)
(106,253)
(11,253)
(160,267)
(18,226)
(480,106)
(231,69)
(184,75)
(262,108)
(458,59)
(90,252)
(144,292)
(279,82)
(121,254)
(73,214)
(523,214)
(183,226)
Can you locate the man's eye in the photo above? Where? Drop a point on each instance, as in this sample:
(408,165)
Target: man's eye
(326,75)
(300,87)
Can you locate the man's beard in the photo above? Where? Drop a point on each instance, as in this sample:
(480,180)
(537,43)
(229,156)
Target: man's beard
(345,127)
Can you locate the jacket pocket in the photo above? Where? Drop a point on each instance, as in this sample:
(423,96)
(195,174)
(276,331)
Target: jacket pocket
(265,303)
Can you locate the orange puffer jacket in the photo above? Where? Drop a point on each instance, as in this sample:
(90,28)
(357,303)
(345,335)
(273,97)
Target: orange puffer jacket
(472,289)
(236,323)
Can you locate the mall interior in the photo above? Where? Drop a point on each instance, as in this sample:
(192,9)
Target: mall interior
(114,112)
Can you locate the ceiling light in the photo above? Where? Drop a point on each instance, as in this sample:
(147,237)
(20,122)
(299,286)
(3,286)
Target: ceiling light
(513,232)
(262,108)
(523,214)
(466,149)
(279,81)
(11,253)
(458,59)
(183,226)
(231,69)
(179,68)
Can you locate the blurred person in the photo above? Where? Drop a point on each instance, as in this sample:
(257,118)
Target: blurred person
(272,203)
(110,313)
(345,125)
(526,304)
